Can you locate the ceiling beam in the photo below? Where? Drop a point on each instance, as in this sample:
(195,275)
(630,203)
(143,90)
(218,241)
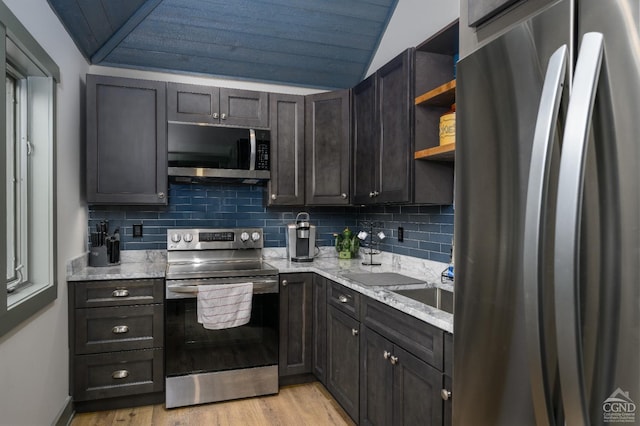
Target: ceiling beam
(133,21)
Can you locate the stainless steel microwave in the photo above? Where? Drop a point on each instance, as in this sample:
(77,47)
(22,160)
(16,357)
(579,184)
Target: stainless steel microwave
(200,151)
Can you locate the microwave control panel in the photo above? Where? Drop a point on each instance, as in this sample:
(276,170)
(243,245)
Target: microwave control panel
(262,156)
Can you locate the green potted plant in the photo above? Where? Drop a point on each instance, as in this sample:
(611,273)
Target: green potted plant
(347,244)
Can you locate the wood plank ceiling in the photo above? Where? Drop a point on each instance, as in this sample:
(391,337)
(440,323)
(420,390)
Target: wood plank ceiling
(313,43)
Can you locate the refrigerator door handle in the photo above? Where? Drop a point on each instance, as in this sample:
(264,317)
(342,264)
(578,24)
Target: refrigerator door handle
(534,224)
(567,237)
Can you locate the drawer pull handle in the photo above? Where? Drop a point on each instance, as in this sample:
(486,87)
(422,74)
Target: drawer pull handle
(121,292)
(343,299)
(354,332)
(119,329)
(120,374)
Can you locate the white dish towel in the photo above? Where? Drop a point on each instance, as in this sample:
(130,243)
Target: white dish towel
(225,305)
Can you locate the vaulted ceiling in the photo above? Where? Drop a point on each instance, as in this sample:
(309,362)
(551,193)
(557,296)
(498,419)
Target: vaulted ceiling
(314,43)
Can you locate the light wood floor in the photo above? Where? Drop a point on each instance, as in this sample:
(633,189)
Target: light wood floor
(308,404)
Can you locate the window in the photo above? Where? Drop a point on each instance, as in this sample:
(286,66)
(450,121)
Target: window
(27,206)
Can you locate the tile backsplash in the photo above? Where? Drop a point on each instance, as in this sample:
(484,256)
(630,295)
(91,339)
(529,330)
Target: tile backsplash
(428,230)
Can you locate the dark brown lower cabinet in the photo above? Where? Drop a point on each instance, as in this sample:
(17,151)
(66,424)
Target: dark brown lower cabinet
(343,360)
(295,324)
(319,355)
(397,388)
(116,330)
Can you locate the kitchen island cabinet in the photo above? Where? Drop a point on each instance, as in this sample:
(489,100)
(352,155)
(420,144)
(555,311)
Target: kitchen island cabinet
(116,333)
(126,141)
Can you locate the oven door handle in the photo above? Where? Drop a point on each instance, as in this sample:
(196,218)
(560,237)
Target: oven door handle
(193,288)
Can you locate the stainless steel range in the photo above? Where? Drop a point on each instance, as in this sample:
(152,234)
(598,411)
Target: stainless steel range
(204,365)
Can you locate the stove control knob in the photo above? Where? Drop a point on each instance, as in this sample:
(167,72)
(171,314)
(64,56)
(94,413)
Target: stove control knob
(187,238)
(255,236)
(244,237)
(176,238)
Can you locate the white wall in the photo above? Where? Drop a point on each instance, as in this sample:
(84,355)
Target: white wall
(198,79)
(413,22)
(34,358)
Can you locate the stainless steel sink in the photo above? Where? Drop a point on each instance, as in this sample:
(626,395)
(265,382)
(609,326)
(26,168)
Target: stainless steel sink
(433,296)
(382,278)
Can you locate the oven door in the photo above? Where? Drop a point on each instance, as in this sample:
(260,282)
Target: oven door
(213,365)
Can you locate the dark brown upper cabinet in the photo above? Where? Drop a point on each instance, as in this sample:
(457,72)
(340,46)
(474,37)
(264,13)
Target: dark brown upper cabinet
(213,105)
(327,148)
(383,134)
(126,141)
(286,186)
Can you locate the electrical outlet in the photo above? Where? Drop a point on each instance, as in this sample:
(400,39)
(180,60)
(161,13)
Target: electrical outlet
(137,230)
(400,234)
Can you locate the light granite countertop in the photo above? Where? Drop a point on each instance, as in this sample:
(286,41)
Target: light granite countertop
(139,264)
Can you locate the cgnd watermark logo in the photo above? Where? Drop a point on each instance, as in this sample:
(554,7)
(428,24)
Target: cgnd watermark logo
(619,407)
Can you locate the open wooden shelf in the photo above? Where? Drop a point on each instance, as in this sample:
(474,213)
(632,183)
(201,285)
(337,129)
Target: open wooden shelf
(438,153)
(443,96)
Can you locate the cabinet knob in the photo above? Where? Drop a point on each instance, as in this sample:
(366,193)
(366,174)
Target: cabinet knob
(376,193)
(274,196)
(343,299)
(394,359)
(344,196)
(120,329)
(120,374)
(216,115)
(284,283)
(445,394)
(354,332)
(161,195)
(223,116)
(371,194)
(386,354)
(120,292)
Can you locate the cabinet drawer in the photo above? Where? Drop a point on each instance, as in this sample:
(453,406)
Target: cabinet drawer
(421,339)
(119,328)
(121,292)
(345,299)
(118,374)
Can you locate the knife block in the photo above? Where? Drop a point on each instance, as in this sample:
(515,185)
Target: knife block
(98,256)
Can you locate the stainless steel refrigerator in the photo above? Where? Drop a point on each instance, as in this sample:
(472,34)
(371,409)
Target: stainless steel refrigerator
(547,227)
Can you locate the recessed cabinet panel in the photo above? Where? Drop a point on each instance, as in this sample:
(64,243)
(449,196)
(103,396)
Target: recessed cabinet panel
(365,137)
(396,130)
(244,108)
(295,324)
(383,134)
(327,148)
(286,186)
(126,141)
(193,103)
(190,103)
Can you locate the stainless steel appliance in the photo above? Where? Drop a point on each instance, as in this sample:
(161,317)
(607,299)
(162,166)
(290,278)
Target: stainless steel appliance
(213,365)
(200,151)
(547,300)
(301,239)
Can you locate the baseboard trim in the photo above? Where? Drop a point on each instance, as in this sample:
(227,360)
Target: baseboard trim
(66,413)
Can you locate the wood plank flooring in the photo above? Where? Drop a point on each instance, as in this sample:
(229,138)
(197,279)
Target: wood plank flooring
(307,404)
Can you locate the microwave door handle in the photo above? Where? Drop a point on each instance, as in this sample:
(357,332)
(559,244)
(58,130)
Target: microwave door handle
(252,143)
